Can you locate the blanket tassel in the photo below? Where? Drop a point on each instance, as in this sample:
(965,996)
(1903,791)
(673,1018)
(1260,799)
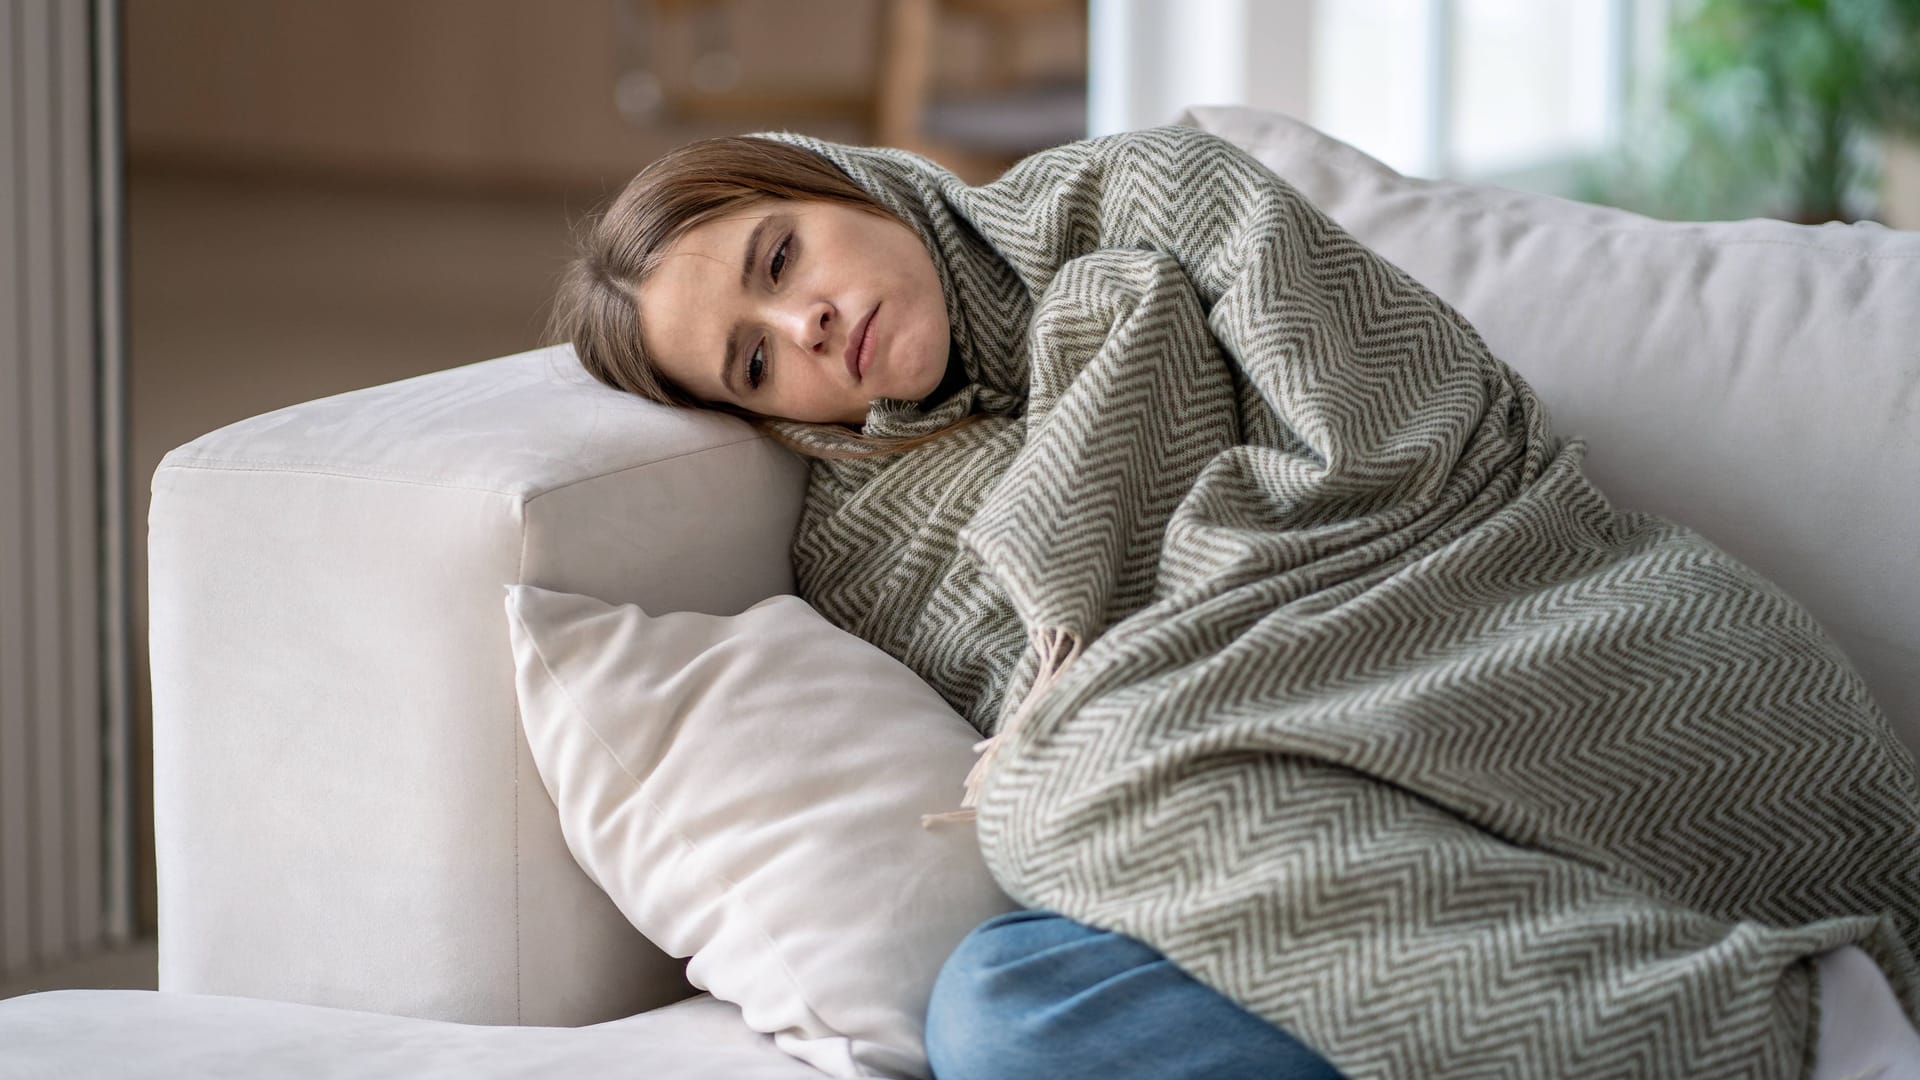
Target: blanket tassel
(1057,649)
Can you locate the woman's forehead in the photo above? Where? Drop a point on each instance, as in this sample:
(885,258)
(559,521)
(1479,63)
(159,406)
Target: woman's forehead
(684,300)
(731,224)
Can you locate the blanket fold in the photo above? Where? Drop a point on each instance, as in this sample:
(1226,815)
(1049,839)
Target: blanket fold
(1336,681)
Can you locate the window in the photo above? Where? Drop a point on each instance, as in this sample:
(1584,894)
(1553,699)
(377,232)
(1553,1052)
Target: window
(1510,92)
(1505,91)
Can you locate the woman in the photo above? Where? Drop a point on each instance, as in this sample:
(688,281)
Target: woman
(1310,658)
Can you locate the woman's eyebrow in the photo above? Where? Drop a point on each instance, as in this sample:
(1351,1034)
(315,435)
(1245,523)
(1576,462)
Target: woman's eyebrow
(753,244)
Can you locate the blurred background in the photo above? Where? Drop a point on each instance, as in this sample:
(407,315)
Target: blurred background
(214,208)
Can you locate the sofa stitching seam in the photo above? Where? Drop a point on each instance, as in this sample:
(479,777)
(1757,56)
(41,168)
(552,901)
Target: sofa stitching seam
(513,744)
(657,461)
(314,468)
(308,468)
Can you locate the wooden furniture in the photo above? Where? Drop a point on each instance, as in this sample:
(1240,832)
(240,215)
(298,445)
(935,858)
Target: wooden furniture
(993,116)
(1010,116)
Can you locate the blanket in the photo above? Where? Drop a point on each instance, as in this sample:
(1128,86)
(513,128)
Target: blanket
(1313,660)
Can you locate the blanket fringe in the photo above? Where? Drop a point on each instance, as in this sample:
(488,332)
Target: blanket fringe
(1057,648)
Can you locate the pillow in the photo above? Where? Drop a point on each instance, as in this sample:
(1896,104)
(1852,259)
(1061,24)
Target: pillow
(748,790)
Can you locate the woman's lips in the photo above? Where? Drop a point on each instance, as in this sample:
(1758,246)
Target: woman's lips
(859,346)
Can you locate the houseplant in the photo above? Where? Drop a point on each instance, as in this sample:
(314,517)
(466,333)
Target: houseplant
(1774,108)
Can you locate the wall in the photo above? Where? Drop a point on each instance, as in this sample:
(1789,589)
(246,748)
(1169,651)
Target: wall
(498,92)
(475,92)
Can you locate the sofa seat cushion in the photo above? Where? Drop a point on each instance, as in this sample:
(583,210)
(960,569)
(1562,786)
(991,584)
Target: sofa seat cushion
(130,1034)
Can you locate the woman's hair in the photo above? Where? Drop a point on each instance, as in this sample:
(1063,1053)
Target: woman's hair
(596,308)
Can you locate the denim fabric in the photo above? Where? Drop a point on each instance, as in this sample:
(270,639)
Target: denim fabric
(1032,994)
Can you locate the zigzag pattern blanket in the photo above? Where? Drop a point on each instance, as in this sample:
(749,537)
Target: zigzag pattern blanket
(1322,668)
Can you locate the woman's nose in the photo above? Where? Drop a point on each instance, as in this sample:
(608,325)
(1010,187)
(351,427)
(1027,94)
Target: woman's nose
(813,326)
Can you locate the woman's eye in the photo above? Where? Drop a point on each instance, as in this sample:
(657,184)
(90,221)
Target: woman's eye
(779,260)
(757,366)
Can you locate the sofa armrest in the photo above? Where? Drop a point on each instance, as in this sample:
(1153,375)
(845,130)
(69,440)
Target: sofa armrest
(346,811)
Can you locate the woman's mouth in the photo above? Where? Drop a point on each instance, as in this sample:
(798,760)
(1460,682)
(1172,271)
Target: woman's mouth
(860,346)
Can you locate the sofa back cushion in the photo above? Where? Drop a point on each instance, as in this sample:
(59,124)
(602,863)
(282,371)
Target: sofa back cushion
(1755,380)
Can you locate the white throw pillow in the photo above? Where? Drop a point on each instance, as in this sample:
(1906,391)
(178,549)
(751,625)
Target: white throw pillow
(748,790)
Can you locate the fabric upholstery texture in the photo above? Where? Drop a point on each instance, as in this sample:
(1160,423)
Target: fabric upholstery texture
(345,810)
(749,791)
(143,1035)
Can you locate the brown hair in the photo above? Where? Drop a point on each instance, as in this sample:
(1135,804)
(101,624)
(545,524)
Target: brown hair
(595,306)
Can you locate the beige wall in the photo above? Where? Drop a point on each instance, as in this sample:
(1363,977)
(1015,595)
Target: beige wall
(480,91)
(495,92)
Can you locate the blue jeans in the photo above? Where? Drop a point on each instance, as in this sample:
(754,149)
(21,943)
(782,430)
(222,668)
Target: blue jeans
(1035,994)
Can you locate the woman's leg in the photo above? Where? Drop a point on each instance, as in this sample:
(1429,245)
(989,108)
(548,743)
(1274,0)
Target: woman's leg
(1032,994)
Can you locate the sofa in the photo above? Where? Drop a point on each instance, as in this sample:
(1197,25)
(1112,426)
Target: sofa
(361,871)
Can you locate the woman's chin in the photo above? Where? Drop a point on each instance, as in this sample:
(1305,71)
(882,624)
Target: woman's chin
(934,372)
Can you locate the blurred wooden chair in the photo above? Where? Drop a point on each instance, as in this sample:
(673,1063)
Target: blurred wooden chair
(980,134)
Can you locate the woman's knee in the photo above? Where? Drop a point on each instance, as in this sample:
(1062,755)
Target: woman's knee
(977,1017)
(1034,994)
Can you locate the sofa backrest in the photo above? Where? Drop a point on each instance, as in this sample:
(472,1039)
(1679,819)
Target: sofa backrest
(1755,380)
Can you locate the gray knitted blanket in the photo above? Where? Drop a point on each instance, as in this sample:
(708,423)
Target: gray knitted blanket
(1317,664)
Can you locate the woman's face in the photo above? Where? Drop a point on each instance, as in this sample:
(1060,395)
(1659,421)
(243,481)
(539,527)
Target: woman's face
(798,309)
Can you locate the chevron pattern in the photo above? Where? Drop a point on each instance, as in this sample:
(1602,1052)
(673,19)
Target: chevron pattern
(1383,722)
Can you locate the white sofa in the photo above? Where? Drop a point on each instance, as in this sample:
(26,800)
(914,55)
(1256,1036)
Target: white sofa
(360,872)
